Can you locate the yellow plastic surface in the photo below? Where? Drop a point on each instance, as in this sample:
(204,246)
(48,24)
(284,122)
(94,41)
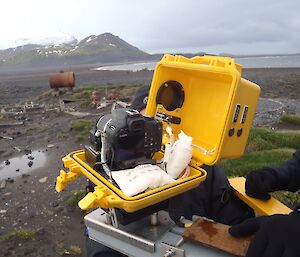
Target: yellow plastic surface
(213,88)
(106,195)
(262,207)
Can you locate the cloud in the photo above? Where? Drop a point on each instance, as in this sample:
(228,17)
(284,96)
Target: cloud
(160,26)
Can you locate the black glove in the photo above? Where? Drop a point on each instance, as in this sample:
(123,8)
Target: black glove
(276,236)
(260,182)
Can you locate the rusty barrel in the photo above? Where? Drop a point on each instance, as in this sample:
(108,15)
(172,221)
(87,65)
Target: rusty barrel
(62,79)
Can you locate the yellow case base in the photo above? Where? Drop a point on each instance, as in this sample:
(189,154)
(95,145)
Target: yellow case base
(107,195)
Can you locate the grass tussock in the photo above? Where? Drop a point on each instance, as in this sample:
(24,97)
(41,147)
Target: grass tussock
(291,119)
(62,249)
(82,127)
(21,234)
(76,197)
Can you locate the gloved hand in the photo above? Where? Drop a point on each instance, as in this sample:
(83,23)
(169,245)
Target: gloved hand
(260,182)
(276,236)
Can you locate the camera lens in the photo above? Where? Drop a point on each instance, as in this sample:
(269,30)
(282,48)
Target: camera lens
(170,95)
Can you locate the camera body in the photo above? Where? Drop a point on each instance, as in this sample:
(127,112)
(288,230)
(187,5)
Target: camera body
(130,139)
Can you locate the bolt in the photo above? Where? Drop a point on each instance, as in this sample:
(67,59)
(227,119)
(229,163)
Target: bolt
(170,253)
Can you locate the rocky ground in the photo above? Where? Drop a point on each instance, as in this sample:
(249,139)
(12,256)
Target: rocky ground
(28,198)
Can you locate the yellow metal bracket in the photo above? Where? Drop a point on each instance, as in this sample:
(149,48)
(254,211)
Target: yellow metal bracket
(65,178)
(262,207)
(102,196)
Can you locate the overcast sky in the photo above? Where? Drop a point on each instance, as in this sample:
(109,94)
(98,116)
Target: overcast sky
(224,26)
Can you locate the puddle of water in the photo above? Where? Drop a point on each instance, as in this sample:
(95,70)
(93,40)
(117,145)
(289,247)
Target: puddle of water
(22,164)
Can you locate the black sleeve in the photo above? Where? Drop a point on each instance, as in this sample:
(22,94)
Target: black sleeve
(288,174)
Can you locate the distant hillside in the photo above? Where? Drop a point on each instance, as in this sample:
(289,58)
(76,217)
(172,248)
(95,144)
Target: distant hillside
(101,49)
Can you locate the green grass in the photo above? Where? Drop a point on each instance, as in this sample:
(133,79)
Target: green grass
(85,102)
(44,95)
(21,234)
(76,197)
(62,134)
(265,148)
(264,139)
(83,94)
(82,127)
(291,119)
(62,249)
(80,137)
(256,160)
(288,198)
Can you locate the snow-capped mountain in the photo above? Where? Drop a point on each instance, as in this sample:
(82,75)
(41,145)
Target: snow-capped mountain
(54,39)
(103,48)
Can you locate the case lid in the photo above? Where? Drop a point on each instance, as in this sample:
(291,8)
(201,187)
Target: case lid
(204,97)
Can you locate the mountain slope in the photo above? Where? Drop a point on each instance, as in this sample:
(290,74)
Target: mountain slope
(104,48)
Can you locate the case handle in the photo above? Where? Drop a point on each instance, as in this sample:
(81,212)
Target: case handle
(205,151)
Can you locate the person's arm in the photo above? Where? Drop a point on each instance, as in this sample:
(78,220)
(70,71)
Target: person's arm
(284,177)
(288,174)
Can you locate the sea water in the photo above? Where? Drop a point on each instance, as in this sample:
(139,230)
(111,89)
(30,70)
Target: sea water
(280,61)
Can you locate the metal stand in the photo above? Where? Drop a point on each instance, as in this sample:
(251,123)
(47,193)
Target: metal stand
(143,239)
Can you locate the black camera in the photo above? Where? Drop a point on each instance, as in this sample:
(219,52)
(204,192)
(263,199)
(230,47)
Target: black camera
(123,140)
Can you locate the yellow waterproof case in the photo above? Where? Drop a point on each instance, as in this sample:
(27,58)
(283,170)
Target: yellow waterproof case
(217,106)
(207,99)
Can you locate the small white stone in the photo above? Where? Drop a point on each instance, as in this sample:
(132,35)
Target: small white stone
(43,180)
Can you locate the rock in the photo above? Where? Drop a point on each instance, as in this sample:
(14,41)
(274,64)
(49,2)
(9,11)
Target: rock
(27,151)
(30,157)
(50,213)
(43,180)
(7,162)
(54,204)
(17,148)
(10,180)
(3,230)
(31,216)
(41,231)
(2,184)
(30,163)
(59,209)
